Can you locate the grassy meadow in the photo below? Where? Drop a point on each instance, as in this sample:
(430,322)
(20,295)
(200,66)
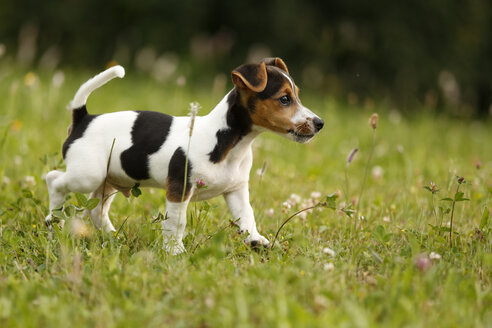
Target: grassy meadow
(396,268)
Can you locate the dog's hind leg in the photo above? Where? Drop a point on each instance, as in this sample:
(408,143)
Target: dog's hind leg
(99,214)
(56,190)
(76,180)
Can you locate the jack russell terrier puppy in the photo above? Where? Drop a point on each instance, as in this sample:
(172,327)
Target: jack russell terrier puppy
(151,149)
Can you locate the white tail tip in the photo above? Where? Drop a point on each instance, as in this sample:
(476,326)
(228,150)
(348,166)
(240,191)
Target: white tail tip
(97,81)
(119,71)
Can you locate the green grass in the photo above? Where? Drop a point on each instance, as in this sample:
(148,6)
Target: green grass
(58,279)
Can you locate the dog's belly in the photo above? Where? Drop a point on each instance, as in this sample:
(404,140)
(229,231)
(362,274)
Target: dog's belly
(121,181)
(214,191)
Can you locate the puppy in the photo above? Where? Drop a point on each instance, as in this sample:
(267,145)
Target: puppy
(115,151)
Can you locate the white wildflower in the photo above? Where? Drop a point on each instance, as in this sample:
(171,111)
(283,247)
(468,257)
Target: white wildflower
(303,215)
(29,181)
(315,195)
(6,180)
(377,172)
(328,267)
(194,107)
(329,251)
(386,219)
(307,203)
(270,212)
(294,199)
(434,256)
(286,205)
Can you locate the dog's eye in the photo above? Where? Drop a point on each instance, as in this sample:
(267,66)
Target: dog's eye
(284,100)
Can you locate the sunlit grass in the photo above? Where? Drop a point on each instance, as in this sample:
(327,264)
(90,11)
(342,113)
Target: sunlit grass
(384,277)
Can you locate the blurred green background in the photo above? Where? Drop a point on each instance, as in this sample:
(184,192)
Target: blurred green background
(425,55)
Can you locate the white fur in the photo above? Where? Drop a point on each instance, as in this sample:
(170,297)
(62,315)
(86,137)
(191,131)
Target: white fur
(303,114)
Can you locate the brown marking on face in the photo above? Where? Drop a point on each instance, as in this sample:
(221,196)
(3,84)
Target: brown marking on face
(304,128)
(271,114)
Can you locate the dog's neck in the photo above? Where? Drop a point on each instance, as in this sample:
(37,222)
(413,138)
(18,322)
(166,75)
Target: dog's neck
(235,131)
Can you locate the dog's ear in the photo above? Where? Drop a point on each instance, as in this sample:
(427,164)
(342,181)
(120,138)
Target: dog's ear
(250,76)
(276,61)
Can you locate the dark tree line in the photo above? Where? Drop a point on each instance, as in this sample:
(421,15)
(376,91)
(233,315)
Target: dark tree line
(435,53)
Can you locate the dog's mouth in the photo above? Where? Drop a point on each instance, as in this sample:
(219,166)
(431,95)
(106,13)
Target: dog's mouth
(300,137)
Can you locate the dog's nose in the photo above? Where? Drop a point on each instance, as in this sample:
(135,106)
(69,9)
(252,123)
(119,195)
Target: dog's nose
(318,123)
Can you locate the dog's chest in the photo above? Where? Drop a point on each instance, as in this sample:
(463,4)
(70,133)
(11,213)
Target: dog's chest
(222,177)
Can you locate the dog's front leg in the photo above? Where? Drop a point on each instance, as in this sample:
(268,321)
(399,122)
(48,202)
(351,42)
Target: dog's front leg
(242,213)
(173,227)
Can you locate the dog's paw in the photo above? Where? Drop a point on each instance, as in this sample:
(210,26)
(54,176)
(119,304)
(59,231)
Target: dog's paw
(257,241)
(174,248)
(48,220)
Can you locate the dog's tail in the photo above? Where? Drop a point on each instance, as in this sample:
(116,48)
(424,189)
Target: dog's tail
(97,81)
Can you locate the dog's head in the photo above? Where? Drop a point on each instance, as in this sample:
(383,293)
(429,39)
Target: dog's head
(272,99)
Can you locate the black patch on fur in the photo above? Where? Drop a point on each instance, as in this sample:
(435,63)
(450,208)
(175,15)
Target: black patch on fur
(149,132)
(80,121)
(176,174)
(274,83)
(239,124)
